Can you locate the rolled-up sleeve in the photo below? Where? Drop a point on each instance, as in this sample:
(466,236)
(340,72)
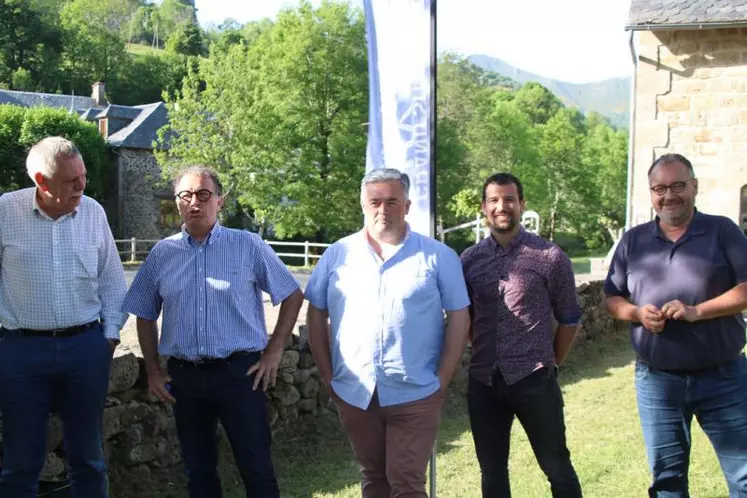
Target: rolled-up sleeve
(562,288)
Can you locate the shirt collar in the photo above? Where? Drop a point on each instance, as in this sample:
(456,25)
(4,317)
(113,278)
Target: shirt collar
(697,226)
(35,206)
(211,238)
(515,242)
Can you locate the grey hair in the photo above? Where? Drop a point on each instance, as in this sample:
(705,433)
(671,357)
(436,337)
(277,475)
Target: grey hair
(200,170)
(44,154)
(386,175)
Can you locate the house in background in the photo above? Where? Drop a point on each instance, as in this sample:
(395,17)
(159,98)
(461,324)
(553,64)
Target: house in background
(144,206)
(690,97)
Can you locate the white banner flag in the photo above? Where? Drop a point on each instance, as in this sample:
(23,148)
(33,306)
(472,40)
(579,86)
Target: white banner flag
(399,68)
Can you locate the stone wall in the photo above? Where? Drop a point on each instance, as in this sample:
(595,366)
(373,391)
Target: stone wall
(691,98)
(141,189)
(139,431)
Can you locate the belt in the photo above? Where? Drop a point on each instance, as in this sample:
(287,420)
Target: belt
(210,362)
(70,331)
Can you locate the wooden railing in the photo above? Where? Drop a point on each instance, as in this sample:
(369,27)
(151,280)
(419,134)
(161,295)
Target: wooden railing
(134,249)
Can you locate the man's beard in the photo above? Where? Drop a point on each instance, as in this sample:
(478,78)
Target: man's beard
(512,222)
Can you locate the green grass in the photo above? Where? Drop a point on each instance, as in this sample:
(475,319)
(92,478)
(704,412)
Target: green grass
(139,49)
(581,265)
(603,434)
(313,458)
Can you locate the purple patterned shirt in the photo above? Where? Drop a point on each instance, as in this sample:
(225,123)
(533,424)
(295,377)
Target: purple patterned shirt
(515,292)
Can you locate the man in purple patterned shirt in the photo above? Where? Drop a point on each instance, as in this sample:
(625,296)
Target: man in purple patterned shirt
(517,283)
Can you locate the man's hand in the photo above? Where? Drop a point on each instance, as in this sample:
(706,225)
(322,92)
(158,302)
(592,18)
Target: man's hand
(157,381)
(113,343)
(677,310)
(651,317)
(266,368)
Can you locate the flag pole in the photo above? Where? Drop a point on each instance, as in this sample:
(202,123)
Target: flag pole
(434,191)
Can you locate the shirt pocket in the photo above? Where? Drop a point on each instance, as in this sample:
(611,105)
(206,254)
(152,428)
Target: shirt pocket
(234,281)
(86,262)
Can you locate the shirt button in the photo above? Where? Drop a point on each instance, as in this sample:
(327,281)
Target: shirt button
(199,250)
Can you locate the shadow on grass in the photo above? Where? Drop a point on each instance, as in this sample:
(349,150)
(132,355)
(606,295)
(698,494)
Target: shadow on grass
(313,457)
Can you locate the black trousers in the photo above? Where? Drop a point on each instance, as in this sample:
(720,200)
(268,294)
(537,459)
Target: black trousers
(538,404)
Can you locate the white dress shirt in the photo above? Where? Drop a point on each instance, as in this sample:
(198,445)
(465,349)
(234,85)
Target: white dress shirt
(56,274)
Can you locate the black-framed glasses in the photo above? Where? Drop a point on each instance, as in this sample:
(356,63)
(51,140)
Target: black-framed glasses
(203,195)
(676,187)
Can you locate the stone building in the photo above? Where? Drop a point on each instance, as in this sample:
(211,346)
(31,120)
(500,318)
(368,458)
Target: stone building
(144,207)
(690,96)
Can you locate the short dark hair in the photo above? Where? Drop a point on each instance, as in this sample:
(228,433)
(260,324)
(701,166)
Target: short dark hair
(502,179)
(672,158)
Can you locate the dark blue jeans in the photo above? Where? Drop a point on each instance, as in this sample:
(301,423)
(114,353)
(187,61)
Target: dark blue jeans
(666,405)
(206,394)
(538,404)
(74,373)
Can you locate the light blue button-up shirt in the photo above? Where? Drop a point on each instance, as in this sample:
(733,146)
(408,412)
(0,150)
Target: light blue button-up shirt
(56,274)
(211,293)
(387,322)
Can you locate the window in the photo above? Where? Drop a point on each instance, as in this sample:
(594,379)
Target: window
(169,215)
(104,127)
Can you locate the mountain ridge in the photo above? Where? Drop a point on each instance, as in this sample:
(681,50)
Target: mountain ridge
(610,97)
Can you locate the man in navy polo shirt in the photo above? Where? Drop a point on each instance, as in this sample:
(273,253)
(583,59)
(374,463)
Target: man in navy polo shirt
(681,280)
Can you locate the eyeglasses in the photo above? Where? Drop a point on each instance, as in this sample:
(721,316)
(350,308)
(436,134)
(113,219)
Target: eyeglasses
(676,187)
(203,195)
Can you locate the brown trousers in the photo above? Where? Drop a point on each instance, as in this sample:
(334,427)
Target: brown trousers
(392,444)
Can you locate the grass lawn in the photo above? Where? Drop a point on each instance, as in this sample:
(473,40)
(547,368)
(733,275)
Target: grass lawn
(140,49)
(603,433)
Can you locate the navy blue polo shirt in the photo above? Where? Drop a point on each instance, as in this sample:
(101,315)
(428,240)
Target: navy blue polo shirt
(708,260)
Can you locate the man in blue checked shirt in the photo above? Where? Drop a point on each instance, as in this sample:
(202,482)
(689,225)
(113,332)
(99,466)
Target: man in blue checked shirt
(376,330)
(209,281)
(61,289)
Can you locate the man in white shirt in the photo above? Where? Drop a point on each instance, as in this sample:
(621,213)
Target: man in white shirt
(61,289)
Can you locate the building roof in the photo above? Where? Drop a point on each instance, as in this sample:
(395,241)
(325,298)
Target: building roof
(31,99)
(142,121)
(143,131)
(120,112)
(652,14)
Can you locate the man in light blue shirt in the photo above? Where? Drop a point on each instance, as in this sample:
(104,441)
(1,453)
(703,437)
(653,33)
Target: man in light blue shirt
(209,281)
(61,287)
(376,330)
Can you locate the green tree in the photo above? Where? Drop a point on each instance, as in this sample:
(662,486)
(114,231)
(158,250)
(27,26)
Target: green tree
(20,128)
(570,192)
(537,102)
(30,47)
(283,120)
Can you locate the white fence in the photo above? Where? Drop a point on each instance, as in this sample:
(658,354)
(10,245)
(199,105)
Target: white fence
(132,249)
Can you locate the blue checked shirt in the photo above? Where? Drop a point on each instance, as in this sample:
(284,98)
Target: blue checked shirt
(60,273)
(387,325)
(211,293)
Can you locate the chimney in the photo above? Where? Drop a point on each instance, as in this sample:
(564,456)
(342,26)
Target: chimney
(99,94)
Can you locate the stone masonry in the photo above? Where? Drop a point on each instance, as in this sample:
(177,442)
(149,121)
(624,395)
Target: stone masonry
(142,188)
(691,98)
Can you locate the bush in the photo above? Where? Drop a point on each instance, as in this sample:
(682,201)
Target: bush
(21,128)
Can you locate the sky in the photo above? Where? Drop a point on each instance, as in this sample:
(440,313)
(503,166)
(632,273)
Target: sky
(578,41)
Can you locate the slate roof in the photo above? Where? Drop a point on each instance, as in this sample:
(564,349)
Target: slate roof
(647,14)
(142,121)
(143,131)
(31,99)
(120,112)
